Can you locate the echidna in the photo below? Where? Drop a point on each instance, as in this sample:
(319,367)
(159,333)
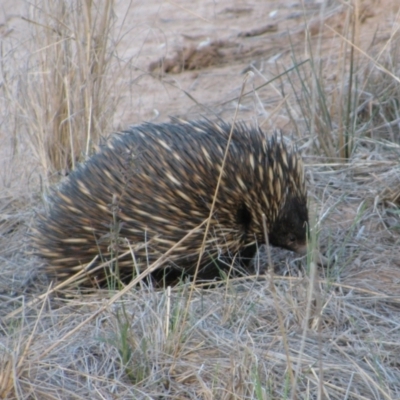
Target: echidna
(153,183)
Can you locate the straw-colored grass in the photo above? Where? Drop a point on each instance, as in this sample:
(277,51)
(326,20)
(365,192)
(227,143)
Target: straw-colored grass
(64,94)
(294,330)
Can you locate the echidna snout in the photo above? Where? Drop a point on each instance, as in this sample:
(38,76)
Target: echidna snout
(290,229)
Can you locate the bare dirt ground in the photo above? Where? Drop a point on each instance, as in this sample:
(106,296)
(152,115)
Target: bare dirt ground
(326,333)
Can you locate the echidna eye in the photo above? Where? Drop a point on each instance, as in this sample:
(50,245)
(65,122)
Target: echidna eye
(292,238)
(244,216)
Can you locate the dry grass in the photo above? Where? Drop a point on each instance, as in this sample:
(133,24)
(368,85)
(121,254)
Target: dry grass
(63,92)
(307,333)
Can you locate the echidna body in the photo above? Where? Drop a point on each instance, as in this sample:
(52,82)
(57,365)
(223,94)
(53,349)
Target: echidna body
(152,184)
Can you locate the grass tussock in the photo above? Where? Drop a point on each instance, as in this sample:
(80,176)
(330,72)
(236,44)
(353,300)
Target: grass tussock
(63,92)
(346,95)
(305,333)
